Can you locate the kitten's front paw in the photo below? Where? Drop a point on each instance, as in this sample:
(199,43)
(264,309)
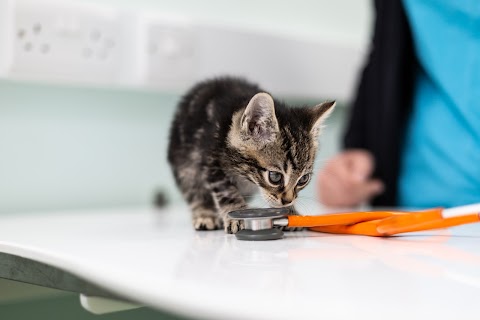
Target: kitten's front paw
(207,223)
(233,226)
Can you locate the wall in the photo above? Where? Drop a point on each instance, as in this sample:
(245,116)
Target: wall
(65,147)
(77,147)
(74,147)
(342,22)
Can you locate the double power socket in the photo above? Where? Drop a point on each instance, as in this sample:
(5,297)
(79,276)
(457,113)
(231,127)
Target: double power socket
(73,42)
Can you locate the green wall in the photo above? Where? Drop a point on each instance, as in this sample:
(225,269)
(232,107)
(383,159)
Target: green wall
(66,147)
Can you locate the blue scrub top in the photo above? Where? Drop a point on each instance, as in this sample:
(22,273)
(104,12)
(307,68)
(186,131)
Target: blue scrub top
(441,156)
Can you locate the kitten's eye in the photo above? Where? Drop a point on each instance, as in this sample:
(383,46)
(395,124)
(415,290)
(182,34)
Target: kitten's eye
(274,177)
(303,180)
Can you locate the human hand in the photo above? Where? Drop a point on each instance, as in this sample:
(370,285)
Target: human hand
(345,180)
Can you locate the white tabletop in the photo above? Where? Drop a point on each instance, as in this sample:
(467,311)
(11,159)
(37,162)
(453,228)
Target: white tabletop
(155,258)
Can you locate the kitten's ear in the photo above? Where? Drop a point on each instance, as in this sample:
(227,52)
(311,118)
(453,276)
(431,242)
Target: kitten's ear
(320,113)
(258,120)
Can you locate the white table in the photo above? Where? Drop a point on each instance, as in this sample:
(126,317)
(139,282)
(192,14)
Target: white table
(156,259)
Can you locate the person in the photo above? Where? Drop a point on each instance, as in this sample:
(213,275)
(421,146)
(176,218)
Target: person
(413,137)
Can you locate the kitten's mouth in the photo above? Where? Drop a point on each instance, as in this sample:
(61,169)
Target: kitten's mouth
(279,205)
(274,203)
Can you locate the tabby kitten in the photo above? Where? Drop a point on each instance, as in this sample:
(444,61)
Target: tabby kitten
(229,138)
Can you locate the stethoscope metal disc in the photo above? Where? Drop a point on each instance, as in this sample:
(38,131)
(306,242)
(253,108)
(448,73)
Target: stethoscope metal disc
(259,235)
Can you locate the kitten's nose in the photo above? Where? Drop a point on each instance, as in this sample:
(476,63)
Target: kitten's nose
(288,197)
(286,200)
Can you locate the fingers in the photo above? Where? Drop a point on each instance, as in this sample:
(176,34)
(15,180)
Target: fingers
(367,190)
(345,180)
(360,164)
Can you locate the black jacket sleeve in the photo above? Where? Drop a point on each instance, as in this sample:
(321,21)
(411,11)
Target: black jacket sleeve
(382,104)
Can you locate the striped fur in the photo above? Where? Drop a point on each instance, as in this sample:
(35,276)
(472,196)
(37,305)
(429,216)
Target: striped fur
(227,136)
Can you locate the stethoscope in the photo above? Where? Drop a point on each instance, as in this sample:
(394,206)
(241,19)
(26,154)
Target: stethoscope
(263,224)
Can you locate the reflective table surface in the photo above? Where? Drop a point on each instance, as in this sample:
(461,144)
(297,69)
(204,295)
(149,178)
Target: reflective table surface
(154,257)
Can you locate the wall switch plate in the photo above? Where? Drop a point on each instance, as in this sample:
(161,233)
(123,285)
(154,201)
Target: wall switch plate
(61,41)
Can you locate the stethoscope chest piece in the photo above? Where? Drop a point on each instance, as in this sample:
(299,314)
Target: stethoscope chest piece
(259,235)
(259,223)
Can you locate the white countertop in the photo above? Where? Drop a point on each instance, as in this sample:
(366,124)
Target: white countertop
(156,258)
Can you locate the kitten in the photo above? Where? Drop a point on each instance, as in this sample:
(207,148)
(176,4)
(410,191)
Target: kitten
(230,138)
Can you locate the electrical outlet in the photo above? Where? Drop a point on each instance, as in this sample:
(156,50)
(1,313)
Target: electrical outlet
(62,40)
(69,41)
(169,52)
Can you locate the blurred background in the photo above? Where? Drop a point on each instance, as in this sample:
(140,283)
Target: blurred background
(88,90)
